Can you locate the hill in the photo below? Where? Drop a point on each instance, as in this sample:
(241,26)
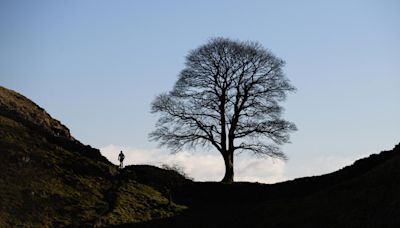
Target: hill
(50,179)
(365,194)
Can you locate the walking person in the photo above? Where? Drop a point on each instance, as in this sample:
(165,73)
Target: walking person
(121,157)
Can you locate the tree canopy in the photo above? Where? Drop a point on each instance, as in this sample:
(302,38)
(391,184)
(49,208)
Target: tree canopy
(227,97)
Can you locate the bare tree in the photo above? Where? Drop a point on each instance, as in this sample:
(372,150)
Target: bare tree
(226,96)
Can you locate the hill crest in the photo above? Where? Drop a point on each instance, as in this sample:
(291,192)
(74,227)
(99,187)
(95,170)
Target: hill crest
(22,109)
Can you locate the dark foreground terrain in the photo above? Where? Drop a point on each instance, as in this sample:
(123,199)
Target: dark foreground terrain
(50,179)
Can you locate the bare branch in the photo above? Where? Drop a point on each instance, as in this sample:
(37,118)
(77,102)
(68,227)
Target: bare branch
(228,90)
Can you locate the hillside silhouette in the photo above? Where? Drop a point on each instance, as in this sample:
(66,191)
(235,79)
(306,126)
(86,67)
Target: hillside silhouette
(48,178)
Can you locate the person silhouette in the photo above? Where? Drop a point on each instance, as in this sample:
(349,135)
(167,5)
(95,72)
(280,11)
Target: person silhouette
(121,157)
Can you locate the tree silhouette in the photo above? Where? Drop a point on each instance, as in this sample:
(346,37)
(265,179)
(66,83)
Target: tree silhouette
(227,96)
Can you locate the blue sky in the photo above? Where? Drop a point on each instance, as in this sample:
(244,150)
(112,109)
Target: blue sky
(97,65)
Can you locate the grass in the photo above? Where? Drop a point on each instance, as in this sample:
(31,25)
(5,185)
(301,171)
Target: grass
(59,187)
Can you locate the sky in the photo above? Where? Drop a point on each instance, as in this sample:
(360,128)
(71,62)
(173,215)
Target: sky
(97,65)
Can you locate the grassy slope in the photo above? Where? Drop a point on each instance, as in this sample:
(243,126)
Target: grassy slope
(49,179)
(50,188)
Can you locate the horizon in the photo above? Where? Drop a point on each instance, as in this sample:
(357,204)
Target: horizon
(97,66)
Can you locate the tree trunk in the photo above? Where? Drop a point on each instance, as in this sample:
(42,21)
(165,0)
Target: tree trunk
(228,159)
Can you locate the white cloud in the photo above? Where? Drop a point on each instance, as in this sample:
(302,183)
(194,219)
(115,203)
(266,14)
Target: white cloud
(202,166)
(260,170)
(209,166)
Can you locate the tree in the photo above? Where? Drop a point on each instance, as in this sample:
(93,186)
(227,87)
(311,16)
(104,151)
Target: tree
(227,97)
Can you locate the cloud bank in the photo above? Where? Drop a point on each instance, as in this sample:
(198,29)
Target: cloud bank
(209,166)
(202,166)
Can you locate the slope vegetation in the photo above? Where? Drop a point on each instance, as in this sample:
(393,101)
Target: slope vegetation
(49,179)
